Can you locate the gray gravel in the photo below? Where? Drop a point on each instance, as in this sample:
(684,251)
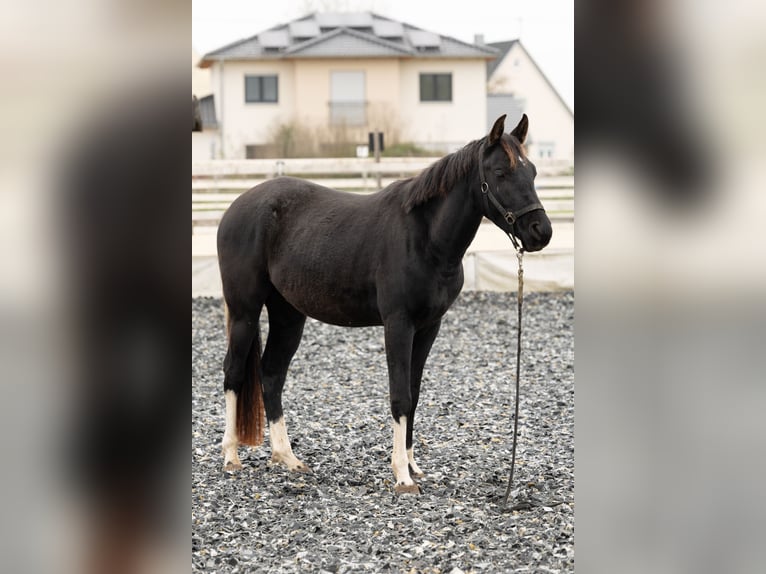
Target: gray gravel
(345,517)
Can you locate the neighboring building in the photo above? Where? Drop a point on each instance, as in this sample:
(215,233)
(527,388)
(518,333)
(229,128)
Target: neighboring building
(327,79)
(206,141)
(517,85)
(200,77)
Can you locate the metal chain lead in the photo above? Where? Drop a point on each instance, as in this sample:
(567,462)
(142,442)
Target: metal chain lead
(519,298)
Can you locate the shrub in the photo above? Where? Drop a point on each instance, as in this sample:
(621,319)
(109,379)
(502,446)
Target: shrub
(406,149)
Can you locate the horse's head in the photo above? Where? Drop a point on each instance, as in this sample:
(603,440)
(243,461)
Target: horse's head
(508,186)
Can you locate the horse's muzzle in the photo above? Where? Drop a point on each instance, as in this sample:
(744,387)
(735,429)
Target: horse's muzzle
(538,234)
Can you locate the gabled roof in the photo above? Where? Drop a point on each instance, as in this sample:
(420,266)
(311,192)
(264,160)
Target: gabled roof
(347,42)
(503,48)
(346,35)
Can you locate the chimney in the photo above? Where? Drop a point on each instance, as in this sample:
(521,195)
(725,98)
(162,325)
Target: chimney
(478,39)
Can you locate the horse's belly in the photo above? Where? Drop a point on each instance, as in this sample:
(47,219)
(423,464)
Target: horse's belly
(344,317)
(332,303)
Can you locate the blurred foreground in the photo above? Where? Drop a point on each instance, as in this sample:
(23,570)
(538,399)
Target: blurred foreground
(671,273)
(93,332)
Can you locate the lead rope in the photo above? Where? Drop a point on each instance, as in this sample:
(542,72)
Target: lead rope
(510,218)
(519,299)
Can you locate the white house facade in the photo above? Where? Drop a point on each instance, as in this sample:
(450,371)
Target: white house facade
(335,77)
(517,85)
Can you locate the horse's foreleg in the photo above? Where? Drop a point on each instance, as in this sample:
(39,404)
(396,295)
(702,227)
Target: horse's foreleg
(421,346)
(399,336)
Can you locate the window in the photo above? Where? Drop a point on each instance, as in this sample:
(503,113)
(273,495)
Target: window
(261,89)
(347,99)
(435,87)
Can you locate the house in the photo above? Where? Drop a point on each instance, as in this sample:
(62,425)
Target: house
(517,85)
(320,83)
(200,77)
(205,135)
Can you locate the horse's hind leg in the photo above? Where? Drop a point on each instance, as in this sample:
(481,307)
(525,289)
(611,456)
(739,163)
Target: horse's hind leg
(240,366)
(285,331)
(421,346)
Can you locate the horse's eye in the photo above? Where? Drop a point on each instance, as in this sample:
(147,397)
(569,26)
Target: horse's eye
(499,172)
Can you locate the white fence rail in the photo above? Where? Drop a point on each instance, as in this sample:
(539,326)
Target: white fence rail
(216,183)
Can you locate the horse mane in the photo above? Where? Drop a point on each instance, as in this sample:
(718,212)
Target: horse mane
(437,179)
(441,176)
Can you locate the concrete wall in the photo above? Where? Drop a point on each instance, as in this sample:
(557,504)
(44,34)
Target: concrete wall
(549,118)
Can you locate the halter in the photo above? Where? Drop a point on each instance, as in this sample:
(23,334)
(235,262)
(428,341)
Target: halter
(509,216)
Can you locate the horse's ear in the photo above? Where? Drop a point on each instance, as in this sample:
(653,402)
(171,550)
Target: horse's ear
(520,131)
(497,130)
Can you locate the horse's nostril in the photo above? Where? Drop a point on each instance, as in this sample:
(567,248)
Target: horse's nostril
(534,229)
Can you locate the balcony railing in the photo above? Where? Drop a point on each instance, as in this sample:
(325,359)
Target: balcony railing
(348,113)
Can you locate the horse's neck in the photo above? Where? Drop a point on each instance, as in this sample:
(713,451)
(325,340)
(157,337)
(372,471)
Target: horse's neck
(455,223)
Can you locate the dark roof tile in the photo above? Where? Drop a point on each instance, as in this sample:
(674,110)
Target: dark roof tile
(353,34)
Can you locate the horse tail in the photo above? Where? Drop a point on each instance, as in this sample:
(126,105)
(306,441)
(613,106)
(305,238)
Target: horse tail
(250,410)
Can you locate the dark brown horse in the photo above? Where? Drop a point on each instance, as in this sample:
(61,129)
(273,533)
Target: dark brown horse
(392,258)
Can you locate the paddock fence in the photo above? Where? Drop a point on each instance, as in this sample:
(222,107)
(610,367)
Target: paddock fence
(216,183)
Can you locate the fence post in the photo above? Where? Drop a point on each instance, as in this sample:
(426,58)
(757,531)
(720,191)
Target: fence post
(376,141)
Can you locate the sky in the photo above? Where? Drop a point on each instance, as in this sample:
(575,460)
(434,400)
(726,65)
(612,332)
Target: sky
(546,27)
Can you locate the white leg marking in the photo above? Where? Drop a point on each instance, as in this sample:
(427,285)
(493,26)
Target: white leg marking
(281,451)
(229,444)
(399,461)
(415,469)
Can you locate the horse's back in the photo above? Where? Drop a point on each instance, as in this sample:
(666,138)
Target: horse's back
(315,245)
(289,198)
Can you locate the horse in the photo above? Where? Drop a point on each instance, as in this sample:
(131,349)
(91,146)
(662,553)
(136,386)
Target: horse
(390,258)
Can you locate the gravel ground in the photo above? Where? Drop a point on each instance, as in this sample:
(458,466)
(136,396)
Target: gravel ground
(344,517)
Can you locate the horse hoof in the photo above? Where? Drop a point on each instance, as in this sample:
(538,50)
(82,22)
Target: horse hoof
(416,473)
(291,465)
(407,488)
(232,466)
